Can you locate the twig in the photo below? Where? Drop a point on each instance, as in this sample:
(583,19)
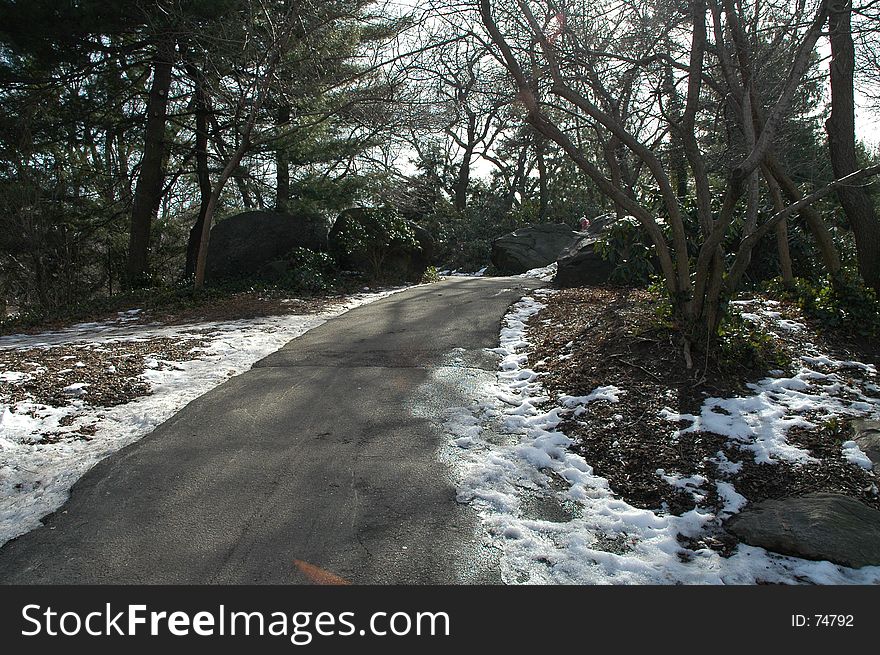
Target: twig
(619,357)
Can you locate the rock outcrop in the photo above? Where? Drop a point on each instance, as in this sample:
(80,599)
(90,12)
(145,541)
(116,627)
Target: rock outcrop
(817,526)
(531,247)
(247,244)
(580,265)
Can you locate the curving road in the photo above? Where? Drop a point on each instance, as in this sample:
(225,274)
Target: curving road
(325,453)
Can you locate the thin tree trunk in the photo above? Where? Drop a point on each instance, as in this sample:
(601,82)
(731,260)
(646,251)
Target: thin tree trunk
(239,176)
(782,248)
(611,150)
(262,89)
(282,164)
(517,178)
(840,127)
(815,223)
(202,174)
(543,187)
(151,178)
(463,180)
(677,158)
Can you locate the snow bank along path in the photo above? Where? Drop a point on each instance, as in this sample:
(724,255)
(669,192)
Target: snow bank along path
(506,452)
(36,477)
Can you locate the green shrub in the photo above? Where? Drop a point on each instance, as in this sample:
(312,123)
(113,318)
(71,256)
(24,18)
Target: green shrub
(744,346)
(844,303)
(371,235)
(310,270)
(662,301)
(430,275)
(623,244)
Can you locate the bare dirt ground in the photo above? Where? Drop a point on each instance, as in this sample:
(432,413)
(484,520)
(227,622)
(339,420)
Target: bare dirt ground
(111,373)
(592,337)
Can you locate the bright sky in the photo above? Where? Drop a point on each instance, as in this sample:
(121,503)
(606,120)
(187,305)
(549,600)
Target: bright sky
(867,125)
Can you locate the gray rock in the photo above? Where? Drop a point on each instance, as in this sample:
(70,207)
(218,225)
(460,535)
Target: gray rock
(531,247)
(599,223)
(580,265)
(867,436)
(817,526)
(242,246)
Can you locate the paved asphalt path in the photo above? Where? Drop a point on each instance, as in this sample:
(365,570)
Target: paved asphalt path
(324,452)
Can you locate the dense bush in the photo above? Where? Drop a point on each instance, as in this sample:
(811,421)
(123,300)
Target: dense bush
(465,238)
(843,304)
(743,346)
(623,244)
(310,271)
(368,239)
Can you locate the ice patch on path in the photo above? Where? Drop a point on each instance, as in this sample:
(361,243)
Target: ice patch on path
(509,453)
(36,476)
(457,273)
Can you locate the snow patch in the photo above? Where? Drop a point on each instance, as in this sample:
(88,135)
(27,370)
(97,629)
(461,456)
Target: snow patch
(855,455)
(514,453)
(545,273)
(610,393)
(36,474)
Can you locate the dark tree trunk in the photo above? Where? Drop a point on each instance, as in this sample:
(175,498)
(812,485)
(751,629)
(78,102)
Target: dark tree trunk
(463,180)
(202,173)
(782,249)
(518,176)
(677,159)
(282,164)
(543,187)
(840,127)
(151,178)
(239,175)
(815,224)
(679,168)
(611,151)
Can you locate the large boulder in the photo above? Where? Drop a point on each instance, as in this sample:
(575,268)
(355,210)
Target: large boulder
(246,245)
(580,265)
(531,247)
(817,526)
(380,254)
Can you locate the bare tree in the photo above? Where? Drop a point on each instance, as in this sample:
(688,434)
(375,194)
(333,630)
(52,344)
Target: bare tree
(840,126)
(251,96)
(151,178)
(573,77)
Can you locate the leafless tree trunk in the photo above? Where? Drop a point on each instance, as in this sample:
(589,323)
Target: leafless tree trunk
(463,179)
(840,127)
(785,265)
(815,223)
(202,171)
(148,192)
(543,182)
(260,92)
(282,164)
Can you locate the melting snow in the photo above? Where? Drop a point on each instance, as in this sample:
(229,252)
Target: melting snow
(545,273)
(506,451)
(36,475)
